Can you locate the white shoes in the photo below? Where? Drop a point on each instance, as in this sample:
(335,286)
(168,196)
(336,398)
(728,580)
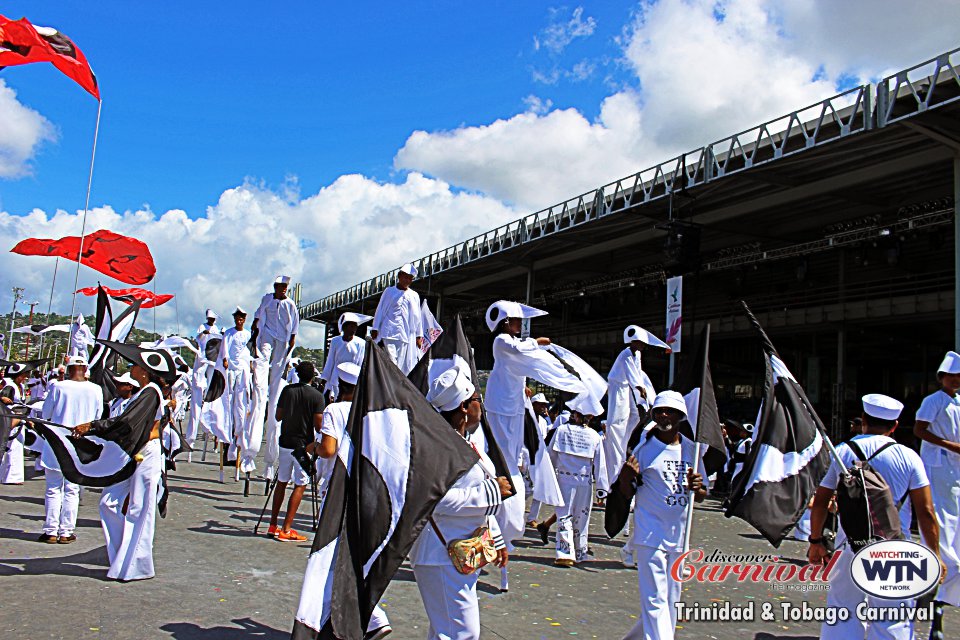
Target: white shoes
(626,557)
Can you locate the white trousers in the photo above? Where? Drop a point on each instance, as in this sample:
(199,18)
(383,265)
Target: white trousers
(11,471)
(844,593)
(236,404)
(945,487)
(197,389)
(534,513)
(508,432)
(403,353)
(276,351)
(573,521)
(377,619)
(450,599)
(659,594)
(129,532)
(62,501)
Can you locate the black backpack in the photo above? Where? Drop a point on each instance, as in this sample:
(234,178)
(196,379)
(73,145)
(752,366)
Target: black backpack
(865,504)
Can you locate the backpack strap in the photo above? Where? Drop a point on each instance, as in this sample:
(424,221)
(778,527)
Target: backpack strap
(881,450)
(857,451)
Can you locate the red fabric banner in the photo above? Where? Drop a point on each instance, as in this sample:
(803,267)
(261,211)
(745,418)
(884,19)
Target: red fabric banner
(125,259)
(22,43)
(149,298)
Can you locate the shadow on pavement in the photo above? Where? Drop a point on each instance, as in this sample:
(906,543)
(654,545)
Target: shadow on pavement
(248,629)
(60,565)
(770,636)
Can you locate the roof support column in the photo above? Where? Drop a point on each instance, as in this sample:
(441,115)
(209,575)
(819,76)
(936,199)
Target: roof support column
(956,250)
(525,332)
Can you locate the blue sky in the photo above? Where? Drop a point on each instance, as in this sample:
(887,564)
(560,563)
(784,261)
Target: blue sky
(196,100)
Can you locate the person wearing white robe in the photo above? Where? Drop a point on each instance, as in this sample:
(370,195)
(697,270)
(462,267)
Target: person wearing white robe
(127,388)
(251,436)
(70,402)
(938,427)
(201,365)
(12,392)
(397,323)
(577,454)
(275,325)
(540,404)
(80,338)
(515,358)
(235,357)
(450,597)
(346,347)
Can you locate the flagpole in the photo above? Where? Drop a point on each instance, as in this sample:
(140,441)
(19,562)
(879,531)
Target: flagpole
(83,227)
(686,532)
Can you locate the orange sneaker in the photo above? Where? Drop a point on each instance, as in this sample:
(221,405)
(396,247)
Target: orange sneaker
(290,536)
(272,531)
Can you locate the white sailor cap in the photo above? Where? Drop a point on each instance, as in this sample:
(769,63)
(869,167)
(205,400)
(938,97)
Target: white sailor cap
(877,405)
(350,316)
(670,400)
(409,269)
(634,332)
(239,311)
(503,309)
(210,313)
(951,363)
(282,280)
(539,398)
(450,389)
(126,378)
(348,372)
(76,361)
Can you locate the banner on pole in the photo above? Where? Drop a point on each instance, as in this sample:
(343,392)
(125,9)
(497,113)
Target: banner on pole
(674,312)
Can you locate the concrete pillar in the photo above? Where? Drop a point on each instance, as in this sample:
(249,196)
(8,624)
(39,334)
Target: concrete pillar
(956,250)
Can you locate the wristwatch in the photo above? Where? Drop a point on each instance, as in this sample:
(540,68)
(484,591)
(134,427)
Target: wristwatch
(815,540)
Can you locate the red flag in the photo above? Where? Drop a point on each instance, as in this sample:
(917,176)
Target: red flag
(126,259)
(149,298)
(22,43)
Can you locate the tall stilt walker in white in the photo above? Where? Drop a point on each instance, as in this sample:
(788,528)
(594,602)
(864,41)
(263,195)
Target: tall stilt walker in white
(397,323)
(199,382)
(237,364)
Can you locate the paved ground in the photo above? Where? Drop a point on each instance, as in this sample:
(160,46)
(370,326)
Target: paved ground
(217,581)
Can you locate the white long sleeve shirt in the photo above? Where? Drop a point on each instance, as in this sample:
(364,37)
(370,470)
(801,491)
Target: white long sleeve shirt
(398,315)
(341,351)
(277,319)
(233,349)
(515,359)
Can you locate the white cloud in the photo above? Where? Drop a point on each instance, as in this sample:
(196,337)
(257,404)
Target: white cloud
(22,131)
(556,36)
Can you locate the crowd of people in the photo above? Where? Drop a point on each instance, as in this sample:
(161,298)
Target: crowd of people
(246,389)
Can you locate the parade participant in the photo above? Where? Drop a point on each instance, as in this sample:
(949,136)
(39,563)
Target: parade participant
(70,402)
(275,326)
(128,509)
(577,454)
(397,323)
(200,366)
(251,435)
(739,457)
(450,597)
(346,347)
(515,358)
(80,338)
(540,410)
(938,427)
(660,475)
(37,386)
(235,357)
(903,471)
(300,412)
(127,386)
(12,392)
(629,394)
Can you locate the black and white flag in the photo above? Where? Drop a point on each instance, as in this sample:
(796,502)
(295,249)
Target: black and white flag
(103,362)
(703,419)
(789,455)
(396,461)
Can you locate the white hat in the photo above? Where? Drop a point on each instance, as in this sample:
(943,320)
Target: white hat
(126,378)
(539,398)
(409,269)
(503,309)
(294,362)
(450,389)
(211,314)
(586,404)
(951,363)
(79,318)
(670,400)
(239,311)
(877,405)
(350,316)
(633,332)
(348,372)
(282,280)
(76,361)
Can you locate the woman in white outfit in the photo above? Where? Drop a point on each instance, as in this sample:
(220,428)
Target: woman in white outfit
(12,393)
(450,597)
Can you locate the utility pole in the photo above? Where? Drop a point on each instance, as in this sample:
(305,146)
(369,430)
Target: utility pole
(26,348)
(17,297)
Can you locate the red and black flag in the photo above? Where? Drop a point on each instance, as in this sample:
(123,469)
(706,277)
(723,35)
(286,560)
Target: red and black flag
(126,259)
(22,43)
(148,299)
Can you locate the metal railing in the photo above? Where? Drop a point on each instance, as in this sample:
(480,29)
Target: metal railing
(834,118)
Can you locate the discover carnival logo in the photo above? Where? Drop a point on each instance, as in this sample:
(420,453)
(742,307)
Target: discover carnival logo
(895,569)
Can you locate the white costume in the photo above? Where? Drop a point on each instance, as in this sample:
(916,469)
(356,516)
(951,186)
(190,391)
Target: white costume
(201,369)
(11,471)
(277,322)
(398,323)
(234,350)
(577,454)
(543,428)
(659,525)
(69,403)
(341,351)
(942,411)
(251,435)
(80,338)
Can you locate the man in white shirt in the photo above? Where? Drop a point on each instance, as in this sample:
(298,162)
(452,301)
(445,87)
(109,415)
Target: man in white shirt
(70,402)
(397,323)
(236,360)
(346,347)
(275,326)
(903,472)
(201,365)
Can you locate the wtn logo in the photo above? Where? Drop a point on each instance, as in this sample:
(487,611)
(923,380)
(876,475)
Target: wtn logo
(895,569)
(902,569)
